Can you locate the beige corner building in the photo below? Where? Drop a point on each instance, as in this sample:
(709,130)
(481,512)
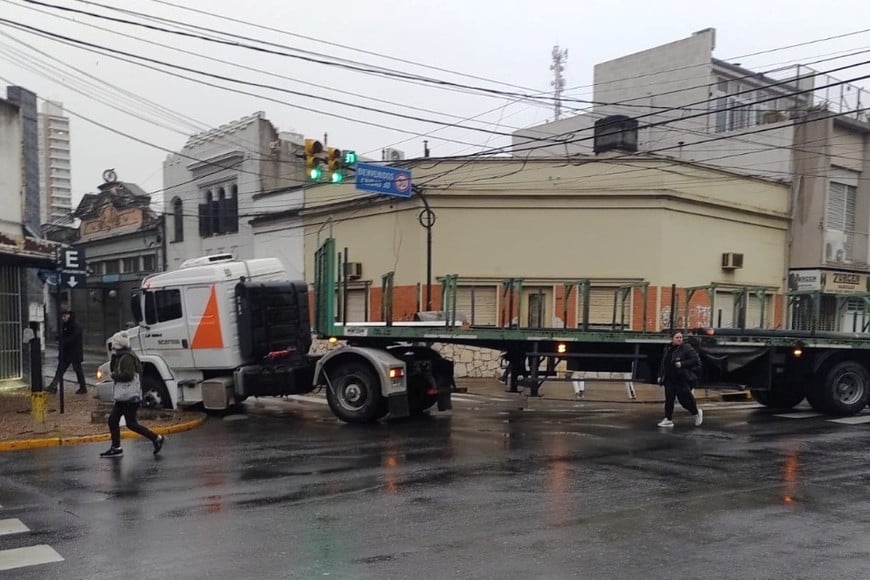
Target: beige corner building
(627,228)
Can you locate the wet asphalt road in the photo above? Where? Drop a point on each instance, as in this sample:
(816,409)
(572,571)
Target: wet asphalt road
(555,490)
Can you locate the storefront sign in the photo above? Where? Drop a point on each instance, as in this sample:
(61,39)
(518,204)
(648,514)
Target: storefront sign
(827,282)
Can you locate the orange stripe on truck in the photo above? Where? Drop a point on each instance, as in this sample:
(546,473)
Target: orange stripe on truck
(208,332)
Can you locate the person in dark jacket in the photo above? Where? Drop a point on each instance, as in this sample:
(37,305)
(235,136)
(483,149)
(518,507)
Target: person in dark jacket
(70,352)
(679,373)
(125,368)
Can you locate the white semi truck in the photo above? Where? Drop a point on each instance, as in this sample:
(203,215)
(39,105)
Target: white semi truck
(219,330)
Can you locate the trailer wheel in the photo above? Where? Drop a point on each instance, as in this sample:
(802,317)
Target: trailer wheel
(154,393)
(354,394)
(816,396)
(782,398)
(846,388)
(419,399)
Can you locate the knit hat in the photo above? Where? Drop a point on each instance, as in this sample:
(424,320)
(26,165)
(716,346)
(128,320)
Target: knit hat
(120,340)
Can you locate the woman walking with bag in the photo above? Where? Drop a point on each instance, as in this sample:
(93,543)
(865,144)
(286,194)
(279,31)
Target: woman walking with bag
(125,368)
(679,373)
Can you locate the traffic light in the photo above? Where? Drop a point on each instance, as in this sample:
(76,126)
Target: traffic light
(313,150)
(349,159)
(333,162)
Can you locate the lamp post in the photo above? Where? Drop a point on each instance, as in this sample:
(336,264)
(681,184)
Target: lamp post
(427,220)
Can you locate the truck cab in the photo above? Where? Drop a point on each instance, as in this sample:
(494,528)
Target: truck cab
(198,325)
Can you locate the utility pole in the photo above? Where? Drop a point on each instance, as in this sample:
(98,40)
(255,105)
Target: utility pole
(560,59)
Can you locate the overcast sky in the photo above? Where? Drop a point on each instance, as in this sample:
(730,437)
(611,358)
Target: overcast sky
(503,45)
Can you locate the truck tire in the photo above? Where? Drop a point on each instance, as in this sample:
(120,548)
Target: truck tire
(846,388)
(354,393)
(816,396)
(154,393)
(784,398)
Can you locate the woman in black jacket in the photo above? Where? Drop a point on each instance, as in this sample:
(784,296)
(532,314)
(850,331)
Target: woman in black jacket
(679,373)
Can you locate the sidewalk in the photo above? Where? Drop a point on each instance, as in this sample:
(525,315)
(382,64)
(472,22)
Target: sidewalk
(84,416)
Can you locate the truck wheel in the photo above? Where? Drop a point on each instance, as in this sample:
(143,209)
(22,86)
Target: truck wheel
(846,388)
(154,393)
(779,398)
(354,394)
(816,396)
(419,399)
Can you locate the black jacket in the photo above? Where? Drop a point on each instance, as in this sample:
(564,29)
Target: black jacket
(70,339)
(689,372)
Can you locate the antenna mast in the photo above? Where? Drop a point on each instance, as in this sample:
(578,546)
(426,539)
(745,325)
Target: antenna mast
(560,59)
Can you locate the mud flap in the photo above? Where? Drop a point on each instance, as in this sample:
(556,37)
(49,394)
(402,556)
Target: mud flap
(398,405)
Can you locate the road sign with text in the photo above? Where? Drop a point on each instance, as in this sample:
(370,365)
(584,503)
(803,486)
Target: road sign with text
(72,260)
(381,179)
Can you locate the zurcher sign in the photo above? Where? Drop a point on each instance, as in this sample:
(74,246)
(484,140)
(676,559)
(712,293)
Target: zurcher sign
(827,282)
(381,179)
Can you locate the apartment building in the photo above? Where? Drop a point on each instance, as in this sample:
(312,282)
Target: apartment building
(790,123)
(55,169)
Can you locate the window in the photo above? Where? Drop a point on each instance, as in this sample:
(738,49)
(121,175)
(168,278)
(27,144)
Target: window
(840,211)
(177,220)
(112,267)
(220,213)
(162,305)
(131,264)
(149,263)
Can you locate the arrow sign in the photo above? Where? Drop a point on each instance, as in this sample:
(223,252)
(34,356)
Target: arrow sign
(72,279)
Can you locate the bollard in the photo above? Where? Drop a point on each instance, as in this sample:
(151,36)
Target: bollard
(37,395)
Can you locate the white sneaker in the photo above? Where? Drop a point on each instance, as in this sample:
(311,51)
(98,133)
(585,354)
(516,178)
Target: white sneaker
(666,423)
(699,418)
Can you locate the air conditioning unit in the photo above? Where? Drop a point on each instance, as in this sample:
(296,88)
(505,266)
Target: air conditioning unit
(732,261)
(353,270)
(838,246)
(391,154)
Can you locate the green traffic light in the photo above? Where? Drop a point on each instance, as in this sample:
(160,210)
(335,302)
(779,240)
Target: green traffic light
(315,174)
(349,158)
(337,177)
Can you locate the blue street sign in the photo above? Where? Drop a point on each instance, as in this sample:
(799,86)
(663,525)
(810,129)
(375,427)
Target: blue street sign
(381,179)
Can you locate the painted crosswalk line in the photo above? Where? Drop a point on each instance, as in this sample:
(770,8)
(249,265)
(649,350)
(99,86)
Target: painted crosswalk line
(798,415)
(308,399)
(12,526)
(856,420)
(29,556)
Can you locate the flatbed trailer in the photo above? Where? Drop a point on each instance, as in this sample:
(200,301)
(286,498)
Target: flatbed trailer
(779,367)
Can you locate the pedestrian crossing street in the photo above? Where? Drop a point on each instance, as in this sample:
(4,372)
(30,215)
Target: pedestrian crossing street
(22,557)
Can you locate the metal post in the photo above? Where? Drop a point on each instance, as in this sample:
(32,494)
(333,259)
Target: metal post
(57,309)
(427,220)
(37,394)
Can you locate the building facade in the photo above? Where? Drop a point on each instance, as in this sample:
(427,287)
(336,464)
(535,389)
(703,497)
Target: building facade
(212,183)
(123,241)
(55,168)
(21,253)
(790,123)
(536,243)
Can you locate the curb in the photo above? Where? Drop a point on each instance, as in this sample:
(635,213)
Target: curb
(60,440)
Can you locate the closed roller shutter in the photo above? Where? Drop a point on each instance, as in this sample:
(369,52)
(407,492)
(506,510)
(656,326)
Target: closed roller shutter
(356,305)
(753,312)
(477,304)
(723,314)
(601,302)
